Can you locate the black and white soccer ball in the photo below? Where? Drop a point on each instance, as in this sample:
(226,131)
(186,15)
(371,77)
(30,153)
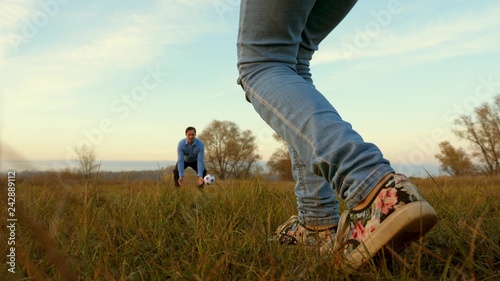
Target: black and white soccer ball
(209,179)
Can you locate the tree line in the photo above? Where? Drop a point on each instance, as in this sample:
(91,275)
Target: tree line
(231,153)
(481,131)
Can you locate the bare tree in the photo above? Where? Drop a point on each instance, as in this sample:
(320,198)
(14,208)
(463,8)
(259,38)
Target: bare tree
(229,153)
(280,164)
(482,129)
(455,162)
(86,158)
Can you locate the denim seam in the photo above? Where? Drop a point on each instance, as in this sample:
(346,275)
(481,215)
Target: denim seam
(367,185)
(289,125)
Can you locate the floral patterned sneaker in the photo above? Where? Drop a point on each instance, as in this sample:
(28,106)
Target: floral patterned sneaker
(397,216)
(292,233)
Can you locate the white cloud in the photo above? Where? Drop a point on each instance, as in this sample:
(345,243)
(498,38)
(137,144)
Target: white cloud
(467,34)
(127,39)
(130,39)
(15,13)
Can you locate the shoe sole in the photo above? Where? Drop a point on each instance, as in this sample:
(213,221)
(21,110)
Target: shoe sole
(406,225)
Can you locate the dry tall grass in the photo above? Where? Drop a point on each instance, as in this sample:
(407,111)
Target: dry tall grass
(151,231)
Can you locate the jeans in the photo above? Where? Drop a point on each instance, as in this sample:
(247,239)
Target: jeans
(276,41)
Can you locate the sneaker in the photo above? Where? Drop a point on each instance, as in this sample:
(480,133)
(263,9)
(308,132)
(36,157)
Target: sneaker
(292,232)
(397,216)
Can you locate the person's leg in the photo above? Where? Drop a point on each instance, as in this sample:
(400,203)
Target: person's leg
(323,18)
(316,201)
(394,212)
(176,176)
(317,219)
(269,40)
(275,43)
(314,32)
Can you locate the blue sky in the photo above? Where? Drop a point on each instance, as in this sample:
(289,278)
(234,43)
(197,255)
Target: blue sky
(130,76)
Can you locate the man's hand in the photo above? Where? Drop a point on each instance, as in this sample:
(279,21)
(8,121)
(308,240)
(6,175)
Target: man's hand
(200,181)
(181,179)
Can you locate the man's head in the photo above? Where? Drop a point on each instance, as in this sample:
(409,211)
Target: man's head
(190,134)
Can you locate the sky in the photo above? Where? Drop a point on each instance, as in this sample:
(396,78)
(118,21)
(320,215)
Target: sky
(129,76)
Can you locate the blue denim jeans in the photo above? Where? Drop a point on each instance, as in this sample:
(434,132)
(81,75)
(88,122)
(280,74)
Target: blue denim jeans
(276,41)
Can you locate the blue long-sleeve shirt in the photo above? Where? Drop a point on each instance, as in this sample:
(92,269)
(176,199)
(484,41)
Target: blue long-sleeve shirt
(190,153)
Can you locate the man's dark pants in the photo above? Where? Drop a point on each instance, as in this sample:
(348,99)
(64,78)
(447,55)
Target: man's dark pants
(193,165)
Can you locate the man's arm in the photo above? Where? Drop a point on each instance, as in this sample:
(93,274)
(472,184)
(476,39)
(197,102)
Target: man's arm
(201,159)
(180,159)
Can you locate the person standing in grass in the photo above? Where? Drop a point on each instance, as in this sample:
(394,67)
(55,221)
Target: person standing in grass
(276,42)
(190,153)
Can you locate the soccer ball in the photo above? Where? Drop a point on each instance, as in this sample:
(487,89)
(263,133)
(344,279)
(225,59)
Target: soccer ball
(209,179)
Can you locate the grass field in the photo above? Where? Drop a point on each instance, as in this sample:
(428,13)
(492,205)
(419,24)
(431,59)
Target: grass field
(126,230)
